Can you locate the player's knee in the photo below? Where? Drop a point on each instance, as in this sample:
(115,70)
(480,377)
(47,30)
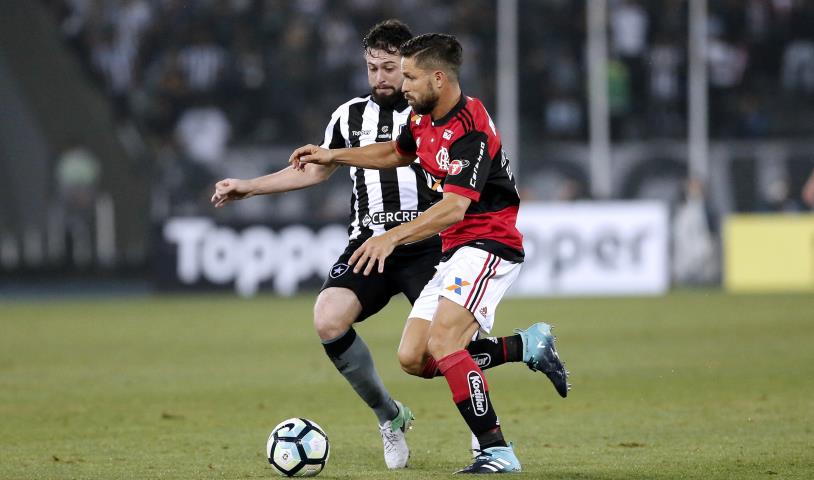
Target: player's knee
(411,361)
(437,346)
(327,327)
(330,318)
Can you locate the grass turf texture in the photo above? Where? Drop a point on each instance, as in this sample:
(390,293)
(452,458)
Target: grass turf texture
(692,385)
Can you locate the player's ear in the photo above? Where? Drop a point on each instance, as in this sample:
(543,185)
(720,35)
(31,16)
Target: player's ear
(440,78)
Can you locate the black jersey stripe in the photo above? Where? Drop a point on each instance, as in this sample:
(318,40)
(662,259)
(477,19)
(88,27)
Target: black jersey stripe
(469,122)
(464,122)
(356,113)
(337,140)
(389,179)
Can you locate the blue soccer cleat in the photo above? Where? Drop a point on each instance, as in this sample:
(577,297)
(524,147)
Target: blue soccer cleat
(494,460)
(540,354)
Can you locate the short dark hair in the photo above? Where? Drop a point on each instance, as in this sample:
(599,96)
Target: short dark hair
(435,50)
(387,35)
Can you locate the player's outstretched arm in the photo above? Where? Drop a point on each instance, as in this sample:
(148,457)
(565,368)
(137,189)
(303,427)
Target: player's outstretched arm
(285,180)
(376,156)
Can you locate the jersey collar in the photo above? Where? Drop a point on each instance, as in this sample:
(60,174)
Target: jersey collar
(457,108)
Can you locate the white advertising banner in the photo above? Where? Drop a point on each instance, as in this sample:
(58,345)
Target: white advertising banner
(594,248)
(587,248)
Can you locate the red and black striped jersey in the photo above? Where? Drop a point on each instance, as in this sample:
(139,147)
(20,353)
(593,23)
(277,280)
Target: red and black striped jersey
(463,151)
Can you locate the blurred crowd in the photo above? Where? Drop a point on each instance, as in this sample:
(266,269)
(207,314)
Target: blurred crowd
(198,76)
(760,59)
(212,72)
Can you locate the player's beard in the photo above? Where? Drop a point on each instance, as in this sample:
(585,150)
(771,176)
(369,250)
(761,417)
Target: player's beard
(425,105)
(387,98)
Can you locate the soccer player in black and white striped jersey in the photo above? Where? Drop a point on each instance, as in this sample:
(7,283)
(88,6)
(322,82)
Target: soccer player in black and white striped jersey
(381,200)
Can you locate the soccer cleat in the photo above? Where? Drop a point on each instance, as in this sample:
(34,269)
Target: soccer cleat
(494,460)
(540,354)
(396,451)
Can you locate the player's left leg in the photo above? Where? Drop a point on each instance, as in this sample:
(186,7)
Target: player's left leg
(466,283)
(452,328)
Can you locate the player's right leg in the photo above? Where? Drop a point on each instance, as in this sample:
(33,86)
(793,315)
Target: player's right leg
(335,312)
(348,298)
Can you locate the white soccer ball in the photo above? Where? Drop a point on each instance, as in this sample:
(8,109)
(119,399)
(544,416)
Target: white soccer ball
(298,447)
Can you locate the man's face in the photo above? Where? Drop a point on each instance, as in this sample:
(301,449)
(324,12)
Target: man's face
(384,76)
(418,87)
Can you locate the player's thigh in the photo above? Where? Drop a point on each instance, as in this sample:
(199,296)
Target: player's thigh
(335,311)
(476,280)
(414,272)
(372,291)
(451,330)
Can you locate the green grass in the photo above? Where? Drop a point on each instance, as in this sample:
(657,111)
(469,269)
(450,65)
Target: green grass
(697,385)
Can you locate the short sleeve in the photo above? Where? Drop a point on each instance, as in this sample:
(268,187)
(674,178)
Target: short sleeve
(333,133)
(405,142)
(469,165)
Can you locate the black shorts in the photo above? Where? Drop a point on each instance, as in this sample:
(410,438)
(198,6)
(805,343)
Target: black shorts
(406,271)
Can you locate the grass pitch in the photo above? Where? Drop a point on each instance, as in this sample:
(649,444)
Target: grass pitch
(697,385)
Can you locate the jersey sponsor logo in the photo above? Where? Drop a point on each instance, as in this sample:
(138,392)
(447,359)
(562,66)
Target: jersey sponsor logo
(338,270)
(477,393)
(474,180)
(399,216)
(458,285)
(384,134)
(457,166)
(447,134)
(442,158)
(482,359)
(359,133)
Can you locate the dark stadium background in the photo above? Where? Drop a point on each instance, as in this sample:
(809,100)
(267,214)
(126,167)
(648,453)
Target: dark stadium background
(120,115)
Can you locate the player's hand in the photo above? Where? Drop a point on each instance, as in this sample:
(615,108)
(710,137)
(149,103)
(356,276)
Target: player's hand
(230,189)
(309,154)
(374,250)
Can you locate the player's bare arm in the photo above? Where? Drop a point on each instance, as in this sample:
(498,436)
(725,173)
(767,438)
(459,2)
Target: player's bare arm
(376,156)
(449,211)
(285,180)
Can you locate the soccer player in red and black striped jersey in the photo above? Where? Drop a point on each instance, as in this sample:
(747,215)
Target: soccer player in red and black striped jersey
(455,141)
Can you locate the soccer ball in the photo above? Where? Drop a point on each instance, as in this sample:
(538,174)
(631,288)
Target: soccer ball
(298,447)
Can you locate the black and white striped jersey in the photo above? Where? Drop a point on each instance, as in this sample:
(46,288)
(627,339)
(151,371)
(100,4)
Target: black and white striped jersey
(381,199)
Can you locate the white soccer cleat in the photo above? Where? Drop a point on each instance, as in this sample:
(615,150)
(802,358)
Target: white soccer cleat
(396,451)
